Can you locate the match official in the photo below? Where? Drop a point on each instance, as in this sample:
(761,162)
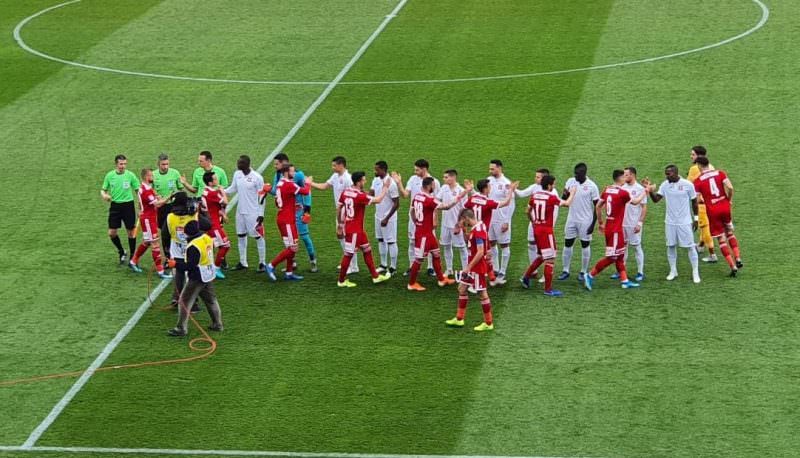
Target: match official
(166,181)
(119,187)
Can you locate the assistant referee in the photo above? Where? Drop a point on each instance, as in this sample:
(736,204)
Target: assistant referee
(119,187)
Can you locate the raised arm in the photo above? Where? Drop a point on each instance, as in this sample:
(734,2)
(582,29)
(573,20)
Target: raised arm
(399,180)
(651,190)
(379,198)
(570,197)
(511,195)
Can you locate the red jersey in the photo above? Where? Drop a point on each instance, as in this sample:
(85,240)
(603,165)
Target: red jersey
(354,203)
(483,207)
(616,200)
(543,208)
(423,207)
(212,203)
(478,237)
(711,185)
(286,192)
(147,201)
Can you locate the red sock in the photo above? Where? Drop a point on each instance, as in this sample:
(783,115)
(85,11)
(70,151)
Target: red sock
(548,276)
(601,265)
(726,252)
(139,252)
(370,262)
(533,267)
(734,243)
(412,276)
(290,261)
(223,250)
(282,256)
(345,264)
(156,252)
(462,306)
(487,310)
(623,272)
(437,267)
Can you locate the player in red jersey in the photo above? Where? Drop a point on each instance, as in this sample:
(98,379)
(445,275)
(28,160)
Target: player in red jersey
(542,213)
(484,207)
(149,203)
(286,191)
(423,213)
(614,199)
(473,277)
(213,202)
(350,215)
(717,191)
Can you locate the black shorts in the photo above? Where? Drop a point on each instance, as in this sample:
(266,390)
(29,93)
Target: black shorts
(122,212)
(163,211)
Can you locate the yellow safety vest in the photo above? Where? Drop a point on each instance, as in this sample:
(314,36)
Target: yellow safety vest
(175,224)
(205,245)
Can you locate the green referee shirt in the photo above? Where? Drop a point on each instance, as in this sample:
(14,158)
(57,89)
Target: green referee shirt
(197,178)
(166,183)
(121,186)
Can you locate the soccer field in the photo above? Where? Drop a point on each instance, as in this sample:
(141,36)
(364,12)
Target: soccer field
(308,369)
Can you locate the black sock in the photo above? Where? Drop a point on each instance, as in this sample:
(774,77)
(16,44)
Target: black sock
(132,244)
(117,243)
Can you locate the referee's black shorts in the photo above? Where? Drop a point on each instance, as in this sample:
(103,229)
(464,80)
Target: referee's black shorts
(122,212)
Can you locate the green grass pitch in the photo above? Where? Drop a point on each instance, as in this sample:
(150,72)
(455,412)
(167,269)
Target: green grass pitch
(672,369)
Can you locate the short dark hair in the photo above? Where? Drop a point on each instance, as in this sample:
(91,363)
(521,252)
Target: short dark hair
(547,180)
(145,171)
(543,171)
(243,163)
(427,181)
(281,157)
(702,161)
(422,163)
(286,167)
(496,162)
(631,169)
(700,150)
(163,157)
(357,176)
(451,172)
(382,165)
(616,174)
(120,157)
(482,184)
(466,213)
(339,160)
(581,165)
(672,167)
(207,155)
(208,177)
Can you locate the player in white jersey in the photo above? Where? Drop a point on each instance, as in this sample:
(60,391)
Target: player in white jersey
(680,225)
(249,211)
(386,218)
(452,232)
(500,229)
(581,219)
(338,182)
(411,189)
(633,224)
(527,192)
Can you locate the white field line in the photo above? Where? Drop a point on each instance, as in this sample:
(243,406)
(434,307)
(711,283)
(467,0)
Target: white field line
(23,45)
(109,348)
(171,451)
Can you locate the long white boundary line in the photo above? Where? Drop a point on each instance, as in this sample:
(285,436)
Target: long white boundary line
(171,451)
(109,348)
(18,37)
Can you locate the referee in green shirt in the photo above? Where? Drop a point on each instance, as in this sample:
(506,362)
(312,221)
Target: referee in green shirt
(119,187)
(166,181)
(205,164)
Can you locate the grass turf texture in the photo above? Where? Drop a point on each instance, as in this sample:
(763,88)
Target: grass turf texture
(672,369)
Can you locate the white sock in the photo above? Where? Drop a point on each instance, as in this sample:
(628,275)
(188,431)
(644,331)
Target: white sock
(261,244)
(506,252)
(383,249)
(694,259)
(411,256)
(495,259)
(430,261)
(243,251)
(448,256)
(640,258)
(464,257)
(566,258)
(393,252)
(532,253)
(672,258)
(586,258)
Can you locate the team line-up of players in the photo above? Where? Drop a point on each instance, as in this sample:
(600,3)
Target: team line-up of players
(475,220)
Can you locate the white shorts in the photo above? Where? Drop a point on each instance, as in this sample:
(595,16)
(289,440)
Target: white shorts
(633,238)
(497,235)
(531,238)
(682,236)
(449,238)
(578,230)
(246,224)
(389,232)
(149,233)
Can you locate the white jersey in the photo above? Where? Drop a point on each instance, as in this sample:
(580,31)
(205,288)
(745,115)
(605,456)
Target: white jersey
(679,197)
(500,187)
(446,195)
(633,212)
(582,208)
(414,186)
(527,192)
(383,208)
(248,187)
(339,183)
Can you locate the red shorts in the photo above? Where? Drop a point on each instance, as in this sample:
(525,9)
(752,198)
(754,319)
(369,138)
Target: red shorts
(288,233)
(545,241)
(219,236)
(355,240)
(615,242)
(474,280)
(719,220)
(149,226)
(424,244)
